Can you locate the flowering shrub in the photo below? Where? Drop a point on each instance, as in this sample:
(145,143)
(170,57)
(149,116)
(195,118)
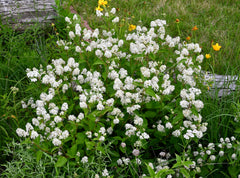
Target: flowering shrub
(130,99)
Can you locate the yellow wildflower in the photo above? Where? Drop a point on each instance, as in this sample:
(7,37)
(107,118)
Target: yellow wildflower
(14,117)
(99,8)
(102,3)
(216,47)
(188,38)
(207,56)
(194,28)
(131,27)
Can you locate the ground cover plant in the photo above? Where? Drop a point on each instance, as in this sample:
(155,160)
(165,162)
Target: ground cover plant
(123,100)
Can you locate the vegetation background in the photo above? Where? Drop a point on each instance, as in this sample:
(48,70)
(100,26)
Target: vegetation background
(217,21)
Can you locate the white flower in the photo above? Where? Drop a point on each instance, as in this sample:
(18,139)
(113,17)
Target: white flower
(29,127)
(80,116)
(184,104)
(71,35)
(136,152)
(119,162)
(120,43)
(123,144)
(234,156)
(115,20)
(57,119)
(176,133)
(98,53)
(138,120)
(75,17)
(89,134)
(233,138)
(153,24)
(145,72)
(78,30)
(138,161)
(113,11)
(56,142)
(229,145)
(35,122)
(64,107)
(21,132)
(221,153)
(83,105)
(108,54)
(160,128)
(105,172)
(162,68)
(102,138)
(65,134)
(99,13)
(71,118)
(78,49)
(168,125)
(110,130)
(110,102)
(67,19)
(227,140)
(100,106)
(84,159)
(116,121)
(102,130)
(208,152)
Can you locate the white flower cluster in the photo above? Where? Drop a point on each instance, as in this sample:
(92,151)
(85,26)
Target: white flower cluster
(108,95)
(212,152)
(143,40)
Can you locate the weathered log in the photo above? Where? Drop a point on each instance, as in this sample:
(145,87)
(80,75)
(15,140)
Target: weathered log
(22,13)
(223,85)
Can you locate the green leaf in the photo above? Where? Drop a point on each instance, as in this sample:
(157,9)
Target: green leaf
(101,149)
(76,98)
(184,172)
(61,161)
(150,170)
(73,151)
(187,163)
(178,158)
(233,171)
(237,131)
(39,155)
(150,114)
(89,145)
(177,118)
(122,149)
(80,138)
(150,92)
(4,130)
(114,153)
(164,171)
(177,165)
(99,62)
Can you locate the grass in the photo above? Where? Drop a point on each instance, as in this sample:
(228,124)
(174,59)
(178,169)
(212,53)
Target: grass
(217,21)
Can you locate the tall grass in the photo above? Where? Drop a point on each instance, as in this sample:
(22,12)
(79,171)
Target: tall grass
(217,21)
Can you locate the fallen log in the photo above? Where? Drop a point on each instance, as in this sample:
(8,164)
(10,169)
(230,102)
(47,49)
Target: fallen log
(21,14)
